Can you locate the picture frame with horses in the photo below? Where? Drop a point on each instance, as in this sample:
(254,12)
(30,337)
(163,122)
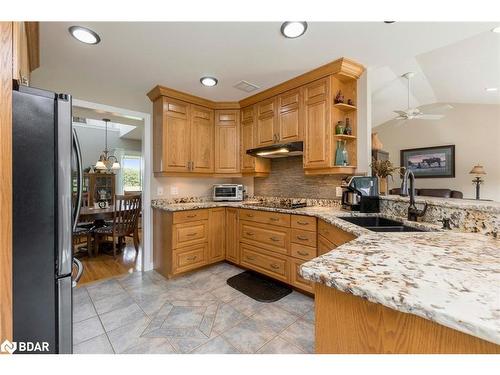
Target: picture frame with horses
(430,162)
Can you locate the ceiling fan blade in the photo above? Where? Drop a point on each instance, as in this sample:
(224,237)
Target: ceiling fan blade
(429,117)
(401,113)
(437,107)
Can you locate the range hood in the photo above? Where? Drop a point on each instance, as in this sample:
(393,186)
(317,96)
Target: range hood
(279,150)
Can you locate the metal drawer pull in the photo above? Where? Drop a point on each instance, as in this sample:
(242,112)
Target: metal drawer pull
(302,222)
(274,266)
(192,258)
(303,253)
(302,238)
(274,219)
(250,233)
(274,239)
(190,216)
(191,234)
(250,258)
(249,215)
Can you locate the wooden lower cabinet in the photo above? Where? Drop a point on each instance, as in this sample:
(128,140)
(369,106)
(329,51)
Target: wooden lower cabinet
(268,237)
(295,279)
(189,258)
(232,236)
(266,262)
(217,234)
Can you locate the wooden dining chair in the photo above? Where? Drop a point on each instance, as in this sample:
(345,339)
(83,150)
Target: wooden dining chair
(125,219)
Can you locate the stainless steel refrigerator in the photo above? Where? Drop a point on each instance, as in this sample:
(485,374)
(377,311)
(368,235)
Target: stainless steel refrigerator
(46,159)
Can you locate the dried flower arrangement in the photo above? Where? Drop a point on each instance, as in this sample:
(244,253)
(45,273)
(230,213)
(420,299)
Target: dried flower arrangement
(384,168)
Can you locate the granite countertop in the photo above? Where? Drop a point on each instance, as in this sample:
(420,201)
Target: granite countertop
(449,277)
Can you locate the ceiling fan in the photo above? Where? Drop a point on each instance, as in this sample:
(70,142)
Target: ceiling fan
(415,113)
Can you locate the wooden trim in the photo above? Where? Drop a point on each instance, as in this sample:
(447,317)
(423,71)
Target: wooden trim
(6,181)
(33,38)
(347,324)
(158,91)
(344,67)
(194,174)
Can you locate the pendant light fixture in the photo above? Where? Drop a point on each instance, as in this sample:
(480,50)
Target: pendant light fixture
(109,162)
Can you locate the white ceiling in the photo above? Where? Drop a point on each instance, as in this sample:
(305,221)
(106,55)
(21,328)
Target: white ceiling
(134,57)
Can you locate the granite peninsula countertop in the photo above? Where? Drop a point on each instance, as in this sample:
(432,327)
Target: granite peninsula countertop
(448,277)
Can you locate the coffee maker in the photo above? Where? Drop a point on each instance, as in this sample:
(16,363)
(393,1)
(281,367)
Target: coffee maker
(360,193)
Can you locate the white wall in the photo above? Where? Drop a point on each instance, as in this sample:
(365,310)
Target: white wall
(474,129)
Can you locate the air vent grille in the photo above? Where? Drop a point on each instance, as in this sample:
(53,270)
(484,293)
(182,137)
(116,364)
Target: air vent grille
(246,86)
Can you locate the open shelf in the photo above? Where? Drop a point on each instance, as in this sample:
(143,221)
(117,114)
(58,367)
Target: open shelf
(345,107)
(345,136)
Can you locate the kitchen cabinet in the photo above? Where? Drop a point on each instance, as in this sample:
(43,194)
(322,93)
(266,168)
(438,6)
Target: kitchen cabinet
(290,116)
(217,234)
(227,142)
(232,236)
(183,137)
(251,165)
(317,143)
(25,50)
(267,121)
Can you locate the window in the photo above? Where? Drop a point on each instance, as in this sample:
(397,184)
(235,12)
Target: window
(131,173)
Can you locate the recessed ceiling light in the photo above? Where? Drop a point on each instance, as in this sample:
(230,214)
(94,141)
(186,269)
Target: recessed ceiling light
(84,35)
(208,81)
(496,29)
(491,89)
(389,21)
(293,29)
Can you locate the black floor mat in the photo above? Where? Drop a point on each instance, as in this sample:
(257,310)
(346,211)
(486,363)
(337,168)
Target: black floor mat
(259,287)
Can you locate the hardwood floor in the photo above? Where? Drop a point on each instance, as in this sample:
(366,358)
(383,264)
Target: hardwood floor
(103,266)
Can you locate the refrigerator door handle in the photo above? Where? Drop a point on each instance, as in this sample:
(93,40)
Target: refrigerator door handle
(78,205)
(79,267)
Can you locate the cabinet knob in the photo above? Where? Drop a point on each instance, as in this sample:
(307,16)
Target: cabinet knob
(302,238)
(250,258)
(274,266)
(250,233)
(303,253)
(191,234)
(274,219)
(191,216)
(191,258)
(275,239)
(302,223)
(249,215)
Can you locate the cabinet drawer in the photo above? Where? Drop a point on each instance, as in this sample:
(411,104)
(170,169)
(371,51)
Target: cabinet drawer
(191,233)
(191,215)
(302,252)
(324,246)
(272,238)
(304,222)
(273,218)
(258,260)
(334,234)
(189,258)
(298,281)
(303,237)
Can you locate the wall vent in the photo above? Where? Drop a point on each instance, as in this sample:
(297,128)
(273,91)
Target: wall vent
(246,86)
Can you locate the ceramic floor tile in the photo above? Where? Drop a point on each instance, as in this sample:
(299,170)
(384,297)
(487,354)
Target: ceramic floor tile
(128,336)
(104,289)
(208,319)
(247,305)
(150,304)
(226,293)
(185,345)
(226,317)
(135,280)
(296,303)
(115,302)
(309,316)
(185,316)
(274,317)
(158,319)
(98,345)
(279,346)
(301,334)
(152,346)
(217,345)
(224,268)
(87,329)
(208,283)
(80,294)
(83,308)
(121,317)
(249,336)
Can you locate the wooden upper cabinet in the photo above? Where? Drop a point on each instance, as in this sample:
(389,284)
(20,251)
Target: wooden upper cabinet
(227,141)
(317,136)
(25,50)
(202,139)
(290,122)
(247,139)
(266,127)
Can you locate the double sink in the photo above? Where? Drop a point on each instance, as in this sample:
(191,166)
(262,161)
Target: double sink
(380,224)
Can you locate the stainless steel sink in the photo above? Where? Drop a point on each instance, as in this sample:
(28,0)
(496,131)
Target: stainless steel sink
(380,224)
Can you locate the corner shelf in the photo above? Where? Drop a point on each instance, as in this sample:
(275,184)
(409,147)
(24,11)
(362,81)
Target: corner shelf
(345,107)
(345,136)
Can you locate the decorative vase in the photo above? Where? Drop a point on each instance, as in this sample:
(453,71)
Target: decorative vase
(348,128)
(339,128)
(382,185)
(339,98)
(376,144)
(339,154)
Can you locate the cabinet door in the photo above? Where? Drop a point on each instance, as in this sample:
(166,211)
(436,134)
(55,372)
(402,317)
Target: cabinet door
(202,139)
(217,234)
(317,142)
(290,116)
(20,59)
(172,135)
(227,141)
(247,138)
(232,236)
(266,128)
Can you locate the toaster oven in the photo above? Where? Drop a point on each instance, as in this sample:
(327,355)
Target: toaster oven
(228,192)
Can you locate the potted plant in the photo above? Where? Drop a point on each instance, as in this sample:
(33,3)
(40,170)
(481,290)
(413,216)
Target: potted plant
(384,169)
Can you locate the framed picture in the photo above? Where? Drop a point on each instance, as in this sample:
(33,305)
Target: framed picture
(430,162)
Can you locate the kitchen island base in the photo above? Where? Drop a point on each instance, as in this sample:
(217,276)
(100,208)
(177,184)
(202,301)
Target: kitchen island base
(348,324)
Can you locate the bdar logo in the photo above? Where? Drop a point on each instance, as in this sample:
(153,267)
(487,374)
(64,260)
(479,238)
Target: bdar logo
(8,347)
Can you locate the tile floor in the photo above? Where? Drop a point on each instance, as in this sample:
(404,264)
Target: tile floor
(196,313)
